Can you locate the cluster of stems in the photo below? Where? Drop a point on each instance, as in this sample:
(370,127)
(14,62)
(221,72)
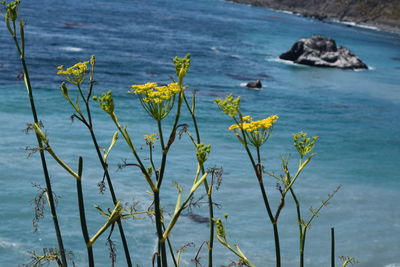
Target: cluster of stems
(18,36)
(155,184)
(254,135)
(252,138)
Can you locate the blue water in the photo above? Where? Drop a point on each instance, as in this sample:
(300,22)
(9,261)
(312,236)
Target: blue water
(356,115)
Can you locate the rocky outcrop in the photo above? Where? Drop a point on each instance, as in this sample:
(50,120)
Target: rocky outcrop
(321,51)
(254,84)
(384,14)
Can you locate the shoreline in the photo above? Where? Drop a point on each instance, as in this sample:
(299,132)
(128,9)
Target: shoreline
(349,21)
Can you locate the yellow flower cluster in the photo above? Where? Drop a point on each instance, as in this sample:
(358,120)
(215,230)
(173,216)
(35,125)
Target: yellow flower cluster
(254,126)
(74,74)
(151,92)
(150,138)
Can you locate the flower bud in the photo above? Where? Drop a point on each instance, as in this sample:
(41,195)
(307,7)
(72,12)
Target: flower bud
(64,90)
(93,60)
(202,152)
(12,10)
(106,102)
(182,65)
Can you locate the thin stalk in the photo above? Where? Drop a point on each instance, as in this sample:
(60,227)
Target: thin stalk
(206,186)
(301,243)
(332,247)
(160,133)
(40,144)
(162,251)
(164,154)
(128,140)
(88,123)
(165,149)
(82,214)
(113,196)
(171,250)
(273,220)
(151,160)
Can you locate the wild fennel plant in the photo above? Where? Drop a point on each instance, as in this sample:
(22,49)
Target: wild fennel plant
(75,75)
(253,133)
(12,21)
(159,101)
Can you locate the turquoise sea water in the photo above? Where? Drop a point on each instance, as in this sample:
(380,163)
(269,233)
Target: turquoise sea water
(356,115)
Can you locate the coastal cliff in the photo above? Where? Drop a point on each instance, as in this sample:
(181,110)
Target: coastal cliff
(383,14)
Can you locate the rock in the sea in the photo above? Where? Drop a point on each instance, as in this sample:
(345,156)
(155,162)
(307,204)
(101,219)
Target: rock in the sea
(322,52)
(254,84)
(197,218)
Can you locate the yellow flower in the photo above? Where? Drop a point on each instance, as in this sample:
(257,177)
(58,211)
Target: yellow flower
(74,74)
(157,100)
(150,138)
(247,118)
(254,126)
(257,131)
(151,92)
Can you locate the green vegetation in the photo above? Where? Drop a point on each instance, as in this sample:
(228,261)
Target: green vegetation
(160,102)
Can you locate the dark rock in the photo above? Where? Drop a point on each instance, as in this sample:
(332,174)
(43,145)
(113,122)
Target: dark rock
(254,84)
(322,52)
(197,218)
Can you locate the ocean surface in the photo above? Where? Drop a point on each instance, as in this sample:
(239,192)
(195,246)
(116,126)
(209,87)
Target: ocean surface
(355,113)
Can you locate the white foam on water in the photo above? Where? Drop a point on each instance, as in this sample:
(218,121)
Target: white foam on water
(71,48)
(353,24)
(5,243)
(236,56)
(287,12)
(393,265)
(287,62)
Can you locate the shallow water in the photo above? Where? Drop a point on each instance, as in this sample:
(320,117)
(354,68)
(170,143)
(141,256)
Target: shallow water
(354,113)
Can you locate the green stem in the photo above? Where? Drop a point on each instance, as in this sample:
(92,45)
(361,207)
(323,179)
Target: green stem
(298,211)
(171,250)
(258,170)
(332,247)
(160,133)
(303,244)
(133,150)
(41,152)
(173,132)
(113,196)
(82,214)
(162,255)
(206,186)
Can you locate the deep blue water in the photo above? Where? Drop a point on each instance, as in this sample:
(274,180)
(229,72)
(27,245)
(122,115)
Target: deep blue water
(356,115)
